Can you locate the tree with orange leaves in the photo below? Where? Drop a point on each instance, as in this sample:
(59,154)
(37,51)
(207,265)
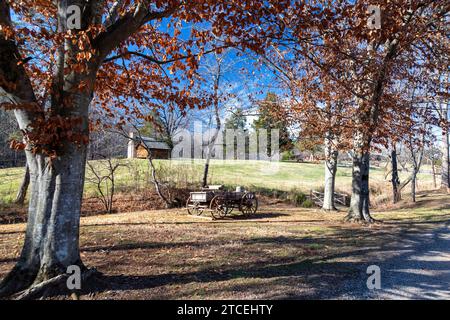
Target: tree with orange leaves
(59,59)
(343,53)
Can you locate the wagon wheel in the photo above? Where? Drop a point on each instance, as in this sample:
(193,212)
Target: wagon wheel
(249,204)
(219,208)
(193,208)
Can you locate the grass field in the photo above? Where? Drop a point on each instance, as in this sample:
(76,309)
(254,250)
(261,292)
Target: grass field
(283,176)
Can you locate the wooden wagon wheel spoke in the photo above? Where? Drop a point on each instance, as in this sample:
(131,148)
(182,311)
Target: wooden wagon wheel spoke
(193,208)
(219,207)
(249,204)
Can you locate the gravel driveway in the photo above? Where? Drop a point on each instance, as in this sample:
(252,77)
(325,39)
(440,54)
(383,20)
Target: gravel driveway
(418,269)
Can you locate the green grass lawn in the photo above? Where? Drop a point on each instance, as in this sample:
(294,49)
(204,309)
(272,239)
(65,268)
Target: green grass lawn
(9,183)
(283,176)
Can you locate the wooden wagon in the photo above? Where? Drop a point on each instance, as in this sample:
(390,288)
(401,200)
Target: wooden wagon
(220,203)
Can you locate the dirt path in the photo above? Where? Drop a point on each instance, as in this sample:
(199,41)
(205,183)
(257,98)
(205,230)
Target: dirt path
(418,268)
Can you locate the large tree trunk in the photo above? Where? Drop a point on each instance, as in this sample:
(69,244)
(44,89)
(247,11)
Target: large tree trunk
(331,157)
(211,142)
(205,171)
(51,240)
(433,170)
(445,175)
(56,183)
(209,155)
(396,194)
(22,193)
(413,186)
(417,162)
(360,202)
(359,206)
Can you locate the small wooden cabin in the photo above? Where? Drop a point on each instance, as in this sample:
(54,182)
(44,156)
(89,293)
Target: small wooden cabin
(158,148)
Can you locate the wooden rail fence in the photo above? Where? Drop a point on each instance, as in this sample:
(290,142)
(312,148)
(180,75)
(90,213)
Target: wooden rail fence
(317,198)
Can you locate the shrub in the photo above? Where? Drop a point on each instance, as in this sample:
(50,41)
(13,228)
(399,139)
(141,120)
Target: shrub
(287,155)
(297,198)
(376,189)
(308,203)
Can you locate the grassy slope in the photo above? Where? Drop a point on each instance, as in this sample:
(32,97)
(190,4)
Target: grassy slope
(9,183)
(261,174)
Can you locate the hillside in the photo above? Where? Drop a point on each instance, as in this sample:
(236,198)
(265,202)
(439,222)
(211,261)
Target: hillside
(282,176)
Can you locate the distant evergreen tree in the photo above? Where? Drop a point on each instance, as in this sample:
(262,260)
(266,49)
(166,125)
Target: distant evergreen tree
(272,116)
(237,120)
(152,126)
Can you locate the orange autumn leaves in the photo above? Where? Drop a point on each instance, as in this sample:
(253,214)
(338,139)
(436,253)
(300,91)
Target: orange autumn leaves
(322,45)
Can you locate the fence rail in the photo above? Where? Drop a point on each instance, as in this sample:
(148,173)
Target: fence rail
(317,198)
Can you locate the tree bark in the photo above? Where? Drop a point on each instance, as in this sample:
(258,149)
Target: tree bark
(166,199)
(413,187)
(51,239)
(205,172)
(396,194)
(217,78)
(22,193)
(56,182)
(417,157)
(56,189)
(331,157)
(360,202)
(445,175)
(416,168)
(209,155)
(433,169)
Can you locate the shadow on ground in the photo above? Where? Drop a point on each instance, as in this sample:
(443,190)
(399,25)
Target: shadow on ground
(336,276)
(414,257)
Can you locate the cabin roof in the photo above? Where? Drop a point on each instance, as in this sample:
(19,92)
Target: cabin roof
(155,144)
